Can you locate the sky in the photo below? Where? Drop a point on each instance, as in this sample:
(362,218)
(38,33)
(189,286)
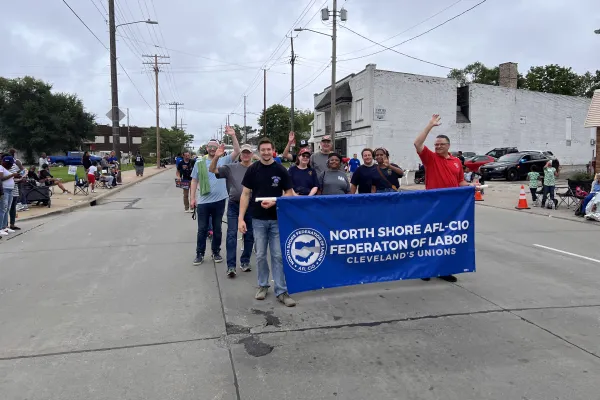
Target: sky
(217,50)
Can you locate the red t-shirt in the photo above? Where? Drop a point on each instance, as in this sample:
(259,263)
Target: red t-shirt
(441,172)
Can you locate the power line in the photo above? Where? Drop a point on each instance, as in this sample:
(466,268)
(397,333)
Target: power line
(84,24)
(100,12)
(395,51)
(419,35)
(406,30)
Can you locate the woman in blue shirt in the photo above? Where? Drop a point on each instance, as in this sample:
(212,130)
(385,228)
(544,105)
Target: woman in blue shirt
(589,197)
(304,178)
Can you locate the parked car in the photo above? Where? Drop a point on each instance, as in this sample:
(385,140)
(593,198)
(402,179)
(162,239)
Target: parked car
(476,162)
(514,166)
(72,158)
(466,154)
(501,151)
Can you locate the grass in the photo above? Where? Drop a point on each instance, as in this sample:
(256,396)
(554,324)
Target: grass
(63,172)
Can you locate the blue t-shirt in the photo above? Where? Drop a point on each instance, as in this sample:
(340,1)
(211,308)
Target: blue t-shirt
(303,180)
(277,160)
(218,187)
(354,163)
(178,160)
(365,177)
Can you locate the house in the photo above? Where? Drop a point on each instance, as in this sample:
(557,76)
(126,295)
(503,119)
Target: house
(593,121)
(130,139)
(386,108)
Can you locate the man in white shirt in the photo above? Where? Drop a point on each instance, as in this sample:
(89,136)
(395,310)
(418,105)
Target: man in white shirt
(42,160)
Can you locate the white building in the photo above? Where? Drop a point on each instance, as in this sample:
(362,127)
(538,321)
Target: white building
(384,108)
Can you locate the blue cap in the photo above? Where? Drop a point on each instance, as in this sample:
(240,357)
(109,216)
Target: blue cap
(8,159)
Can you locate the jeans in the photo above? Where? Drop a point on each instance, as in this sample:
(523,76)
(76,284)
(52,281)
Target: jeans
(586,201)
(203,213)
(12,213)
(186,199)
(533,193)
(386,190)
(266,234)
(233,212)
(5,203)
(548,190)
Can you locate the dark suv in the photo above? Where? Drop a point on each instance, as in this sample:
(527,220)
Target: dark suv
(514,166)
(501,151)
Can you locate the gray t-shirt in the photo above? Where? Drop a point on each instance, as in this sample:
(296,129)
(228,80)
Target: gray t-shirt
(233,175)
(318,162)
(334,182)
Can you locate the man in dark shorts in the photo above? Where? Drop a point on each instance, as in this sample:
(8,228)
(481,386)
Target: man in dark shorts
(184,173)
(266,178)
(443,170)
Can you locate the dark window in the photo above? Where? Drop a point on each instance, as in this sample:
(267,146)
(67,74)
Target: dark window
(462,101)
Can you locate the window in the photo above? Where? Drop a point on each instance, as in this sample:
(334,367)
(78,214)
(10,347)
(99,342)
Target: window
(99,139)
(136,140)
(319,122)
(358,110)
(122,140)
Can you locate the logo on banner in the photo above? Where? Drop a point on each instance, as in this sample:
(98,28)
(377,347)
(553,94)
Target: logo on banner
(305,250)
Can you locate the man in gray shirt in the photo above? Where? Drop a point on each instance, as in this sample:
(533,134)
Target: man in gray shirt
(318,161)
(233,175)
(334,180)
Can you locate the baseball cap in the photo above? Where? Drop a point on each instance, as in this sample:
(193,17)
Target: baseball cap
(246,147)
(304,150)
(326,137)
(303,143)
(8,159)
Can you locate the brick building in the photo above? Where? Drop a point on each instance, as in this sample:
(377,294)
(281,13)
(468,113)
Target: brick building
(386,108)
(130,139)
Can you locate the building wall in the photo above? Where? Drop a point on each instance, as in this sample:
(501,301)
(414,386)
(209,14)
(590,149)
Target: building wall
(409,101)
(103,139)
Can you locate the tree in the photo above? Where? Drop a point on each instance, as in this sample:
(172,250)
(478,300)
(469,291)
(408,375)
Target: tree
(172,141)
(554,79)
(476,73)
(278,125)
(34,119)
(302,120)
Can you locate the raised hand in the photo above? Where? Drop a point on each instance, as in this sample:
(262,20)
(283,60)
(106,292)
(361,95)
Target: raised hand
(229,131)
(292,138)
(386,162)
(220,150)
(436,120)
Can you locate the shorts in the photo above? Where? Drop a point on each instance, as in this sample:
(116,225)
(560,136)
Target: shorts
(92,178)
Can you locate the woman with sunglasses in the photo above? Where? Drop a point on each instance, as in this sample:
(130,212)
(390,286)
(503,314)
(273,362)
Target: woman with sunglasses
(334,179)
(304,178)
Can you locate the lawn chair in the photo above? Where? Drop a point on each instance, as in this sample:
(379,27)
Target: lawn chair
(100,184)
(81,186)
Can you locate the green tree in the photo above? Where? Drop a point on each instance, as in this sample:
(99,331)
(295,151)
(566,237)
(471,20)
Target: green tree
(302,120)
(34,119)
(239,133)
(554,79)
(172,141)
(278,125)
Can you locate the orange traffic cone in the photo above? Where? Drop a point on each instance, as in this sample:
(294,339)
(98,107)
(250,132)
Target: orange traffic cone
(522,205)
(478,195)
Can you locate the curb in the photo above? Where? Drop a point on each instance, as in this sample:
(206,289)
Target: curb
(77,206)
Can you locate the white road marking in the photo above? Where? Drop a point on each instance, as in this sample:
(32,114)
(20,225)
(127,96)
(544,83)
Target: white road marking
(567,253)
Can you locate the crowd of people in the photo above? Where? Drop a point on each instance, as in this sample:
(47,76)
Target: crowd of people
(220,182)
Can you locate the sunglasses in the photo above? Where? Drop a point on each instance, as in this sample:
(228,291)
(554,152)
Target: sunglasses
(307,155)
(211,147)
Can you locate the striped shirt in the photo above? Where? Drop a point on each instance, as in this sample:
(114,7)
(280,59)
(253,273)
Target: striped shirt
(13,170)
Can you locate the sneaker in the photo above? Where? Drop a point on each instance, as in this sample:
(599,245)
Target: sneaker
(449,278)
(231,272)
(286,300)
(186,211)
(246,267)
(198,260)
(3,233)
(217,258)
(16,228)
(8,230)
(261,294)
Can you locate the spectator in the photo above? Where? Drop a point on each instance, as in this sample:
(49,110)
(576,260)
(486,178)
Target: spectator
(86,162)
(47,179)
(139,164)
(550,175)
(91,175)
(184,173)
(353,164)
(334,180)
(461,157)
(533,177)
(8,184)
(15,169)
(42,160)
(593,193)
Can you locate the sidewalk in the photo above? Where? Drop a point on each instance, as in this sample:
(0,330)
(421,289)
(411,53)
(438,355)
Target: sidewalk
(62,203)
(505,195)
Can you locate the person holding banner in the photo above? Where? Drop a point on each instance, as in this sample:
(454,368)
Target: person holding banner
(443,169)
(269,179)
(334,180)
(389,173)
(233,174)
(365,178)
(208,195)
(304,179)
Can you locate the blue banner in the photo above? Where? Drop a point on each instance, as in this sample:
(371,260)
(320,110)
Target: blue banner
(331,241)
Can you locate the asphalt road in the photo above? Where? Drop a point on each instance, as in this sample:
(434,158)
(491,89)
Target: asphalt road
(104,303)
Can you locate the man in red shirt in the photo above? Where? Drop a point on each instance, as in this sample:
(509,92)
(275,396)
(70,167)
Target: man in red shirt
(442,170)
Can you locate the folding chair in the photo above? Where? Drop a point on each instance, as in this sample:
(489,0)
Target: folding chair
(538,199)
(81,186)
(100,184)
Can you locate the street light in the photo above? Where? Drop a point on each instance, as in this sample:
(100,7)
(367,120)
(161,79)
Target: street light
(113,72)
(325,13)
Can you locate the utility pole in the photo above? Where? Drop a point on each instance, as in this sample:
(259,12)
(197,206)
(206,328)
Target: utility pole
(245,130)
(156,71)
(113,78)
(128,134)
(176,105)
(265,104)
(333,67)
(181,125)
(292,61)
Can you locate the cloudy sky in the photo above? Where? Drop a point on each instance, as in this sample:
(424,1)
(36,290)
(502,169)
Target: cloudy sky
(217,48)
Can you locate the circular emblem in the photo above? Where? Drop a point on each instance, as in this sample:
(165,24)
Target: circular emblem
(305,250)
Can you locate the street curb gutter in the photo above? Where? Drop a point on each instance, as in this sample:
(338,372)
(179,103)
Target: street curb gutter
(77,206)
(580,221)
